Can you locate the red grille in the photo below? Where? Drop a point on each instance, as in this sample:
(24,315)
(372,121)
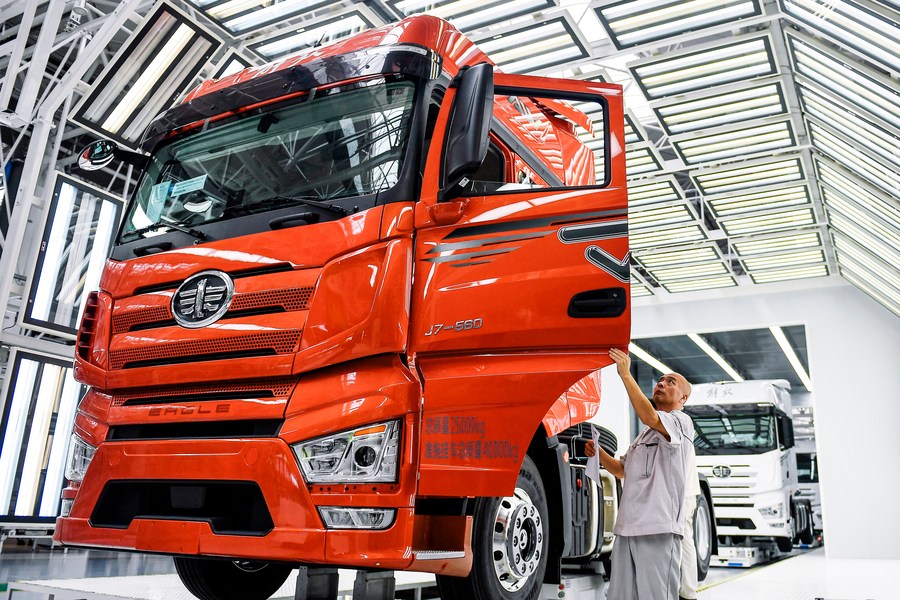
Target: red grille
(282,342)
(275,388)
(288,299)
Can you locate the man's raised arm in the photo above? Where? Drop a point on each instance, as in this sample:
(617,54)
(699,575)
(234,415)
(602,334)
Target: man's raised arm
(642,407)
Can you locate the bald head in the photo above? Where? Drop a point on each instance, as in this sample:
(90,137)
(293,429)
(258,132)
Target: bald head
(671,392)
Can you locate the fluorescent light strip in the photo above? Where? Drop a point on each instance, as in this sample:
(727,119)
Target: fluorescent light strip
(706,68)
(634,28)
(738,142)
(849,24)
(844,213)
(649,358)
(305,38)
(789,274)
(639,290)
(876,266)
(677,257)
(749,177)
(754,247)
(784,260)
(875,95)
(781,198)
(700,284)
(666,236)
(661,216)
(670,274)
(656,191)
(471,15)
(40,421)
(846,186)
(782,340)
(854,156)
(718,358)
(722,109)
(640,161)
(839,117)
(864,285)
(780,220)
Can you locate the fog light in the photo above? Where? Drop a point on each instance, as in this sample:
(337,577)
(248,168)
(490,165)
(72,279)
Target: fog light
(772,512)
(340,517)
(66,508)
(80,455)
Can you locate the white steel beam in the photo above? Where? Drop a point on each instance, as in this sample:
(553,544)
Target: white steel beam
(32,84)
(17,54)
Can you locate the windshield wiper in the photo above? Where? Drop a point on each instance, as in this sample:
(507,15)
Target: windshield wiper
(176,226)
(287,201)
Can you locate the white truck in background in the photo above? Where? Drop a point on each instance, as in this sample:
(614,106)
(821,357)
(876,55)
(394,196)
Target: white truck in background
(745,447)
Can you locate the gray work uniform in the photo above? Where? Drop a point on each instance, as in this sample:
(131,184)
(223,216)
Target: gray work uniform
(646,557)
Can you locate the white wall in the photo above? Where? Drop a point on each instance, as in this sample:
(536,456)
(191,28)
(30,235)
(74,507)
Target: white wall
(854,359)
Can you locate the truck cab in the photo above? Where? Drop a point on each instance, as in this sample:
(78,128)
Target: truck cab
(745,447)
(356,298)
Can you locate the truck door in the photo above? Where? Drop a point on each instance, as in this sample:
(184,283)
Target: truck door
(521,276)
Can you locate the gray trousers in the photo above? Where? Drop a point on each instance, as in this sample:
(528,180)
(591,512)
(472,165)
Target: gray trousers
(645,567)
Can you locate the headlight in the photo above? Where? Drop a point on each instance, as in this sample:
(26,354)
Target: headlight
(366,454)
(80,455)
(772,512)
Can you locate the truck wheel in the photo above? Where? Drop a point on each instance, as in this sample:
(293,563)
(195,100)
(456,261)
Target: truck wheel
(807,534)
(784,544)
(509,545)
(215,579)
(703,536)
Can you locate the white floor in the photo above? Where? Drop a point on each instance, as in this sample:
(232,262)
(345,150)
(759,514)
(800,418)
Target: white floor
(809,576)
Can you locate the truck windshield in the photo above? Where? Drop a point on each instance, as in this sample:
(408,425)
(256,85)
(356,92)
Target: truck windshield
(347,144)
(735,433)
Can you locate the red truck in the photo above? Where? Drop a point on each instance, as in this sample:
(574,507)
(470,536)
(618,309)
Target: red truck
(354,316)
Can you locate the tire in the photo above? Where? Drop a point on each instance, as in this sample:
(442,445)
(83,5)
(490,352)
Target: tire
(784,544)
(494,576)
(216,579)
(703,542)
(808,533)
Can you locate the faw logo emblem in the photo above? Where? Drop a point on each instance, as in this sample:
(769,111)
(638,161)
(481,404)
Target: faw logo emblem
(202,299)
(721,471)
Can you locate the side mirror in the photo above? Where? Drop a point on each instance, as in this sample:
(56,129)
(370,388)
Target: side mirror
(97,155)
(470,123)
(102,152)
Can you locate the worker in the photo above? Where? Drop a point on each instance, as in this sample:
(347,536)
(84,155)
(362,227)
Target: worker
(689,582)
(646,557)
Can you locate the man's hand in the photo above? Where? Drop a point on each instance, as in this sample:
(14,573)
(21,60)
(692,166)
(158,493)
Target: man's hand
(589,449)
(622,360)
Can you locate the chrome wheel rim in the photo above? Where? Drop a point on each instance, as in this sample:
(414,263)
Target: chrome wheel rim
(703,533)
(518,541)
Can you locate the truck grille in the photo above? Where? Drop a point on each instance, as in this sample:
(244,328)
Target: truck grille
(266,301)
(195,430)
(261,388)
(257,344)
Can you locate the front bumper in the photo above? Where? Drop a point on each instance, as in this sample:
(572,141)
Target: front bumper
(297,534)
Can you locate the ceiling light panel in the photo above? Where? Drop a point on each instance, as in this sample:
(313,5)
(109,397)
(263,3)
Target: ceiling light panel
(866,27)
(735,204)
(245,16)
(692,285)
(840,118)
(664,189)
(673,274)
(849,248)
(754,246)
(660,215)
(722,109)
(878,235)
(749,176)
(678,256)
(639,290)
(850,152)
(785,259)
(638,22)
(734,143)
(698,70)
(868,273)
(640,161)
(535,46)
(316,33)
(755,223)
(158,62)
(819,66)
(846,188)
(471,15)
(789,273)
(666,237)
